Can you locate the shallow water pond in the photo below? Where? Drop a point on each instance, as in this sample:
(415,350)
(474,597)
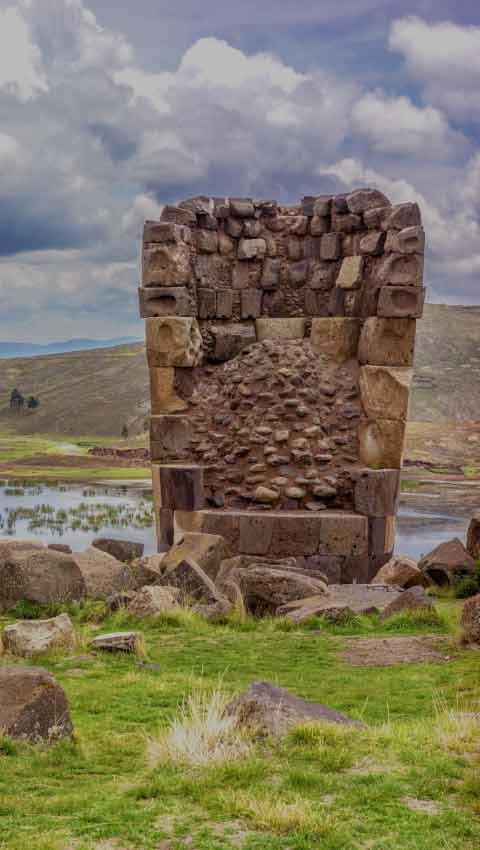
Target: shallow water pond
(76,514)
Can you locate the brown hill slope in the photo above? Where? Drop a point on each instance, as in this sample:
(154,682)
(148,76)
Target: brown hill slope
(81,393)
(96,392)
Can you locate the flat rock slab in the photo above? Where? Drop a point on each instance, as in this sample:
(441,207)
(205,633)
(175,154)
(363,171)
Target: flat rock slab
(342,599)
(387,651)
(118,642)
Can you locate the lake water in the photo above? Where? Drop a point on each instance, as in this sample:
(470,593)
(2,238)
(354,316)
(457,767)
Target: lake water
(76,514)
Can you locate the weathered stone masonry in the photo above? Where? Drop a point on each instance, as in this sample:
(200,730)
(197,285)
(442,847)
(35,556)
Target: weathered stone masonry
(280,345)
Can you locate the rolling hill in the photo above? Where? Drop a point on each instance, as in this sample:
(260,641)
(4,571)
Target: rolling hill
(97,392)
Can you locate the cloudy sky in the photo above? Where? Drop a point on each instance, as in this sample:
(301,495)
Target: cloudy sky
(109,108)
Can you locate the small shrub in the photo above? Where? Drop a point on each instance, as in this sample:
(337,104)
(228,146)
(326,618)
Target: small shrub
(468,585)
(417,619)
(202,734)
(7,746)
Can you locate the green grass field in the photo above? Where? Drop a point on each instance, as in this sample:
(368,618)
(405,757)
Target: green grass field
(410,781)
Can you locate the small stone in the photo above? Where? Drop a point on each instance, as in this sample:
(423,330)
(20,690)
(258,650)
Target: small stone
(265,495)
(281,436)
(250,249)
(295,493)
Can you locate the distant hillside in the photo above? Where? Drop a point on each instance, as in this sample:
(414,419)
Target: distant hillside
(447,364)
(92,392)
(96,392)
(27,349)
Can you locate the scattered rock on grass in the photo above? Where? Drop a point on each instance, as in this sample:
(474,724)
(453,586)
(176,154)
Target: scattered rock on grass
(32,637)
(265,587)
(119,642)
(272,711)
(152,601)
(447,563)
(401,572)
(33,705)
(341,601)
(471,620)
(414,599)
(192,581)
(40,576)
(103,573)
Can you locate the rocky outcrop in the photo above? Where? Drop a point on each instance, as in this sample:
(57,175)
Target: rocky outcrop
(401,572)
(447,563)
(102,573)
(33,705)
(471,620)
(273,711)
(34,637)
(41,576)
(341,601)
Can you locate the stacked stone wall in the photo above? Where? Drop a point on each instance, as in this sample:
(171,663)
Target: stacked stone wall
(280,345)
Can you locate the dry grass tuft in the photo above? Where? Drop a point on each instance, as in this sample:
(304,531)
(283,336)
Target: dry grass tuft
(202,734)
(283,817)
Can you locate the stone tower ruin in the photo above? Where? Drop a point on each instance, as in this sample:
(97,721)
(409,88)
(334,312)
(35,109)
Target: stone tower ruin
(280,346)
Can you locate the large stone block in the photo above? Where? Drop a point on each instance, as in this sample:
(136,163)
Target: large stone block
(224,306)
(207,241)
(385,391)
(207,550)
(410,240)
(207,303)
(166,265)
(173,341)
(181,487)
(343,533)
(250,303)
(365,199)
(163,394)
(350,275)
(170,438)
(280,329)
(400,270)
(376,491)
(381,535)
(33,706)
(403,215)
(179,215)
(387,342)
(331,246)
(335,337)
(158,301)
(251,249)
(381,443)
(401,302)
(164,232)
(229,340)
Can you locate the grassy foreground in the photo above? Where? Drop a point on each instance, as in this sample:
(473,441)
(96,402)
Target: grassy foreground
(410,781)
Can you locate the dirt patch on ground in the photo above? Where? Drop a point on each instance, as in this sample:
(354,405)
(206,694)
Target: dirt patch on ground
(386,651)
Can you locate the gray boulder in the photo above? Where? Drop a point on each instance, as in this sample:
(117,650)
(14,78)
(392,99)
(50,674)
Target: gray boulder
(447,563)
(123,550)
(273,711)
(33,705)
(33,637)
(40,576)
(266,587)
(103,574)
(152,601)
(413,599)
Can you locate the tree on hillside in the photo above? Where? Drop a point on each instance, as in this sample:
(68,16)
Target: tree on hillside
(125,432)
(32,402)
(17,400)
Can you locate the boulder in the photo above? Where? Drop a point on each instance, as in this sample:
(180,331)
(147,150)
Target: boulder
(152,601)
(409,600)
(60,547)
(273,711)
(264,588)
(103,574)
(473,537)
(8,545)
(341,600)
(471,620)
(123,550)
(214,612)
(118,642)
(207,550)
(447,563)
(41,576)
(401,571)
(33,705)
(116,601)
(148,570)
(193,583)
(33,637)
